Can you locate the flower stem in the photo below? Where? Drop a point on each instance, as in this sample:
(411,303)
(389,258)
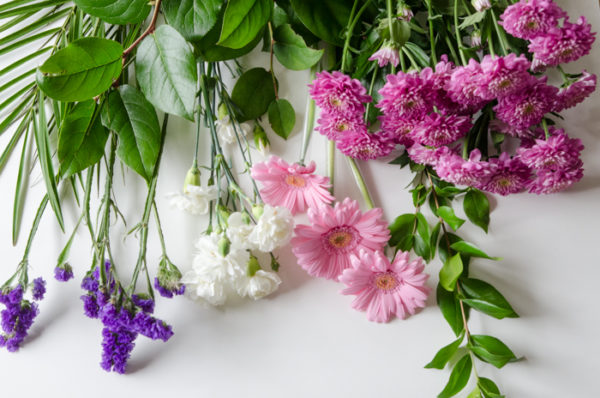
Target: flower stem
(331,165)
(148,31)
(501,35)
(271,60)
(360,182)
(371,86)
(458,36)
(545,126)
(431,36)
(309,119)
(352,21)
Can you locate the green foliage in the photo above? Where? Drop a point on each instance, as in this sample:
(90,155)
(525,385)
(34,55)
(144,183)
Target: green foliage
(491,350)
(485,298)
(450,272)
(450,307)
(444,355)
(192,18)
(253,93)
(291,50)
(471,250)
(488,388)
(243,20)
(282,117)
(326,19)
(477,208)
(119,12)
(401,231)
(166,71)
(458,378)
(84,69)
(447,214)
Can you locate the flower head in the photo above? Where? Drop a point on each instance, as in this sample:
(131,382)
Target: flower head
(510,176)
(39,288)
(551,181)
(292,186)
(528,19)
(437,130)
(336,126)
(504,75)
(427,155)
(558,152)
(575,92)
(481,5)
(273,229)
(472,172)
(405,95)
(363,145)
(63,272)
(259,285)
(324,247)
(167,280)
(383,289)
(196,200)
(464,85)
(17,316)
(229,131)
(337,93)
(388,53)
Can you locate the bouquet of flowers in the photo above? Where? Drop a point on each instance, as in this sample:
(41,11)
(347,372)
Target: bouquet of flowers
(466,95)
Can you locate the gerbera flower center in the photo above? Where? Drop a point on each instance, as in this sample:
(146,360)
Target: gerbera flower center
(341,239)
(295,181)
(386,281)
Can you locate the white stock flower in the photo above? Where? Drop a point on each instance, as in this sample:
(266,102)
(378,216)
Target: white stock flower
(195,200)
(481,5)
(258,286)
(226,130)
(238,231)
(273,230)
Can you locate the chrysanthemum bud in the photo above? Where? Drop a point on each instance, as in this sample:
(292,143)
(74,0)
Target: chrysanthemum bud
(222,111)
(476,38)
(253,266)
(224,246)
(261,141)
(191,178)
(404,12)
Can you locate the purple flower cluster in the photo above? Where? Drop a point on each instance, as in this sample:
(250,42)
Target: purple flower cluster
(167,280)
(123,319)
(63,273)
(342,100)
(19,314)
(551,42)
(168,290)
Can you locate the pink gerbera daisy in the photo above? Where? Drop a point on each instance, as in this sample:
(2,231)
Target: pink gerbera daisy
(324,247)
(291,185)
(384,289)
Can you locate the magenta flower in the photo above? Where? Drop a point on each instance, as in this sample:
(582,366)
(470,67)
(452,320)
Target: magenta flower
(504,75)
(437,130)
(552,181)
(387,54)
(465,84)
(365,146)
(335,126)
(472,172)
(562,45)
(324,246)
(383,289)
(528,19)
(336,93)
(292,186)
(510,175)
(426,155)
(558,152)
(405,96)
(575,92)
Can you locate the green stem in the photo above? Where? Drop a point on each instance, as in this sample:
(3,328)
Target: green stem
(371,86)
(309,119)
(353,20)
(431,36)
(103,233)
(331,164)
(501,35)
(360,182)
(161,236)
(34,228)
(458,36)
(545,126)
(271,60)
(413,62)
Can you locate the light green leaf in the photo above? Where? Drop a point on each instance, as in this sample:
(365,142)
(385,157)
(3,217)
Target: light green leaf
(485,298)
(133,118)
(166,71)
(458,378)
(447,214)
(327,19)
(471,250)
(243,20)
(450,272)
(282,117)
(119,12)
(253,93)
(491,350)
(488,388)
(82,70)
(444,354)
(291,50)
(477,208)
(472,19)
(192,18)
(476,393)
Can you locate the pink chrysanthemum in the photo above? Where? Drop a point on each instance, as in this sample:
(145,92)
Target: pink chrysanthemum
(504,128)
(471,172)
(527,106)
(565,44)
(324,247)
(504,75)
(335,126)
(405,96)
(398,129)
(437,81)
(510,176)
(337,93)
(365,146)
(387,54)
(464,85)
(576,92)
(437,130)
(548,181)
(558,152)
(292,186)
(528,19)
(383,289)
(426,155)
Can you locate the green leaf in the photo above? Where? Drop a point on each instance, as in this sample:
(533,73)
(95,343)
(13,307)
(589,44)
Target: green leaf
(472,19)
(82,70)
(476,393)
(417,52)
(327,19)
(166,71)
(447,214)
(243,20)
(133,118)
(192,18)
(435,234)
(450,307)
(491,350)
(488,388)
(402,226)
(291,50)
(282,117)
(20,189)
(450,272)
(443,245)
(471,250)
(444,355)
(82,139)
(119,12)
(477,208)
(253,93)
(485,298)
(458,378)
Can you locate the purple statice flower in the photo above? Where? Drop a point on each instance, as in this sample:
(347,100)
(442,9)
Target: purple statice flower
(528,19)
(437,130)
(552,181)
(504,75)
(155,329)
(337,93)
(527,106)
(509,176)
(472,172)
(39,288)
(16,318)
(63,273)
(427,155)
(387,54)
(558,152)
(117,345)
(365,146)
(405,96)
(145,303)
(575,92)
(465,84)
(169,289)
(334,126)
(565,44)
(91,308)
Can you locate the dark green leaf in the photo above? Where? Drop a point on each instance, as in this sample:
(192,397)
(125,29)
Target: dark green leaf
(291,50)
(458,378)
(84,69)
(485,298)
(215,53)
(82,139)
(471,250)
(491,350)
(450,307)
(243,20)
(134,119)
(253,93)
(421,247)
(447,214)
(444,355)
(282,117)
(327,19)
(192,18)
(118,12)
(166,71)
(477,208)
(419,195)
(417,52)
(402,226)
(435,234)
(450,272)
(445,240)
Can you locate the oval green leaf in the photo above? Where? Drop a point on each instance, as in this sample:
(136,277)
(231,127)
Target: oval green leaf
(458,378)
(282,117)
(450,272)
(450,307)
(491,350)
(471,250)
(166,71)
(243,20)
(444,355)
(192,18)
(253,93)
(477,208)
(291,50)
(327,19)
(119,12)
(82,70)
(447,214)
(485,298)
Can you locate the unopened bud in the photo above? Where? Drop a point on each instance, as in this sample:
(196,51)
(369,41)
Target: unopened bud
(261,141)
(191,178)
(222,111)
(404,12)
(257,211)
(274,264)
(224,246)
(481,5)
(476,38)
(253,266)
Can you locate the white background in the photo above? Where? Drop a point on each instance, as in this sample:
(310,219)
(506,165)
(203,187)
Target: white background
(306,340)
